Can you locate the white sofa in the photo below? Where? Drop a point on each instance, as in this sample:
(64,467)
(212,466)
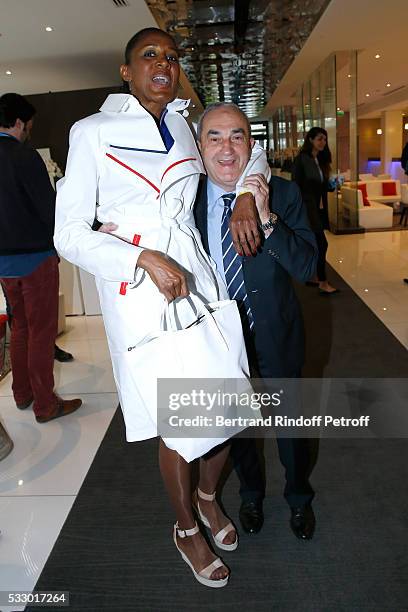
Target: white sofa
(375,191)
(374,216)
(404,193)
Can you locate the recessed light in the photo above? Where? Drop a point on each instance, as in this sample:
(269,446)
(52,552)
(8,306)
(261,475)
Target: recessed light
(388,85)
(366,290)
(377,56)
(338,108)
(384,308)
(317,98)
(379,131)
(8,72)
(48,29)
(349,76)
(367,95)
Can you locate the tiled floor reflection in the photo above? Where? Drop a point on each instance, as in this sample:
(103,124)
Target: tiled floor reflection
(374,265)
(42,475)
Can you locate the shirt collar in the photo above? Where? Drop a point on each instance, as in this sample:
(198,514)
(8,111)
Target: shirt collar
(214,193)
(7,135)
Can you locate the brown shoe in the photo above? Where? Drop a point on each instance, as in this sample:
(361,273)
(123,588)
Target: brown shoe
(62,408)
(25,405)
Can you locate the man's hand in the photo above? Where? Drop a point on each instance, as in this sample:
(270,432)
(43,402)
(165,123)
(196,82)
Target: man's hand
(108,228)
(165,274)
(244,225)
(258,185)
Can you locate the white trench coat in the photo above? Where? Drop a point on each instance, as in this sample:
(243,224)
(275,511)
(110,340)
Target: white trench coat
(117,158)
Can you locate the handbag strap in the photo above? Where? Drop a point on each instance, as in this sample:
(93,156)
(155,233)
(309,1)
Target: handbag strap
(201,311)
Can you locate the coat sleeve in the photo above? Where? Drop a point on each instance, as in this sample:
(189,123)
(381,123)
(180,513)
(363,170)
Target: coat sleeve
(100,254)
(292,243)
(258,164)
(298,171)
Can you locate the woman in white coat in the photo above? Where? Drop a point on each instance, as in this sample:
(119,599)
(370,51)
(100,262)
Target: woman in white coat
(138,160)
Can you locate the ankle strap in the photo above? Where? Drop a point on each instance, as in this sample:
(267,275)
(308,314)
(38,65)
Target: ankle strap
(185,533)
(206,496)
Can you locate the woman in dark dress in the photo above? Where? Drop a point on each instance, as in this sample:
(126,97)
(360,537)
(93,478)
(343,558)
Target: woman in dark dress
(311,171)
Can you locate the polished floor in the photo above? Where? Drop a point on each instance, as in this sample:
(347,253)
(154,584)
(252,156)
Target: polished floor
(40,479)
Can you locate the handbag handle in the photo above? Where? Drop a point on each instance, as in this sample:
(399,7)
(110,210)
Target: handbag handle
(200,310)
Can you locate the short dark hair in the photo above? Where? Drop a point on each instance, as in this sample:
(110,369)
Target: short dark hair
(216,106)
(136,38)
(13,107)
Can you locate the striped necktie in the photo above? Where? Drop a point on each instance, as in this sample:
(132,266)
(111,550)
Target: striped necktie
(234,275)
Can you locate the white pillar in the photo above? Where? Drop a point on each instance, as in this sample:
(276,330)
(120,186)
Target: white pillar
(391,141)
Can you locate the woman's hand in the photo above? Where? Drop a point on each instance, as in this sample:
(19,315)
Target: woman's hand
(165,274)
(244,226)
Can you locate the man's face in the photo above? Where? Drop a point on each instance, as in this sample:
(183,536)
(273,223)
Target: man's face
(225,145)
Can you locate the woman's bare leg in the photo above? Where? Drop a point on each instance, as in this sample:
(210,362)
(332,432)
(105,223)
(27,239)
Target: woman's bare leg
(211,466)
(176,474)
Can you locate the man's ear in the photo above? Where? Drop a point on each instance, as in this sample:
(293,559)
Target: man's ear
(252,142)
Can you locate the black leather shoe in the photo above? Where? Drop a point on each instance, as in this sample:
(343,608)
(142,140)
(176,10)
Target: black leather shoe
(303,522)
(61,355)
(251,516)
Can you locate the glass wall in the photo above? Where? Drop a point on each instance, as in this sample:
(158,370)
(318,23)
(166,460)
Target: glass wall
(321,101)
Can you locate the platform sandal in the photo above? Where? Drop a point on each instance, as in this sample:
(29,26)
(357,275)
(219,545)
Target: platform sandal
(220,536)
(203,576)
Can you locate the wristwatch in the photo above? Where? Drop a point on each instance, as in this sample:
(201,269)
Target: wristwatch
(271,223)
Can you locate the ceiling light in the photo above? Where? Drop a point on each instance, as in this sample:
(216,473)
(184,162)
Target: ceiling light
(379,131)
(8,72)
(367,95)
(377,56)
(317,98)
(48,29)
(349,76)
(388,84)
(338,108)
(406,126)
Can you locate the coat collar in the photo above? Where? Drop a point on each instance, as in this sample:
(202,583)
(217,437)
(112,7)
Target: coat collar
(126,103)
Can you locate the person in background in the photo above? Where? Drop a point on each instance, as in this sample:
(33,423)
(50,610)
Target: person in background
(311,171)
(59,353)
(29,263)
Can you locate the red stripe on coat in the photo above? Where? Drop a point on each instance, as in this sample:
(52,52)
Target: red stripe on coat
(115,159)
(181,161)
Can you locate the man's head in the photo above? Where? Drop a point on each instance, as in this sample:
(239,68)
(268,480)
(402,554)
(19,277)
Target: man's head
(224,138)
(16,115)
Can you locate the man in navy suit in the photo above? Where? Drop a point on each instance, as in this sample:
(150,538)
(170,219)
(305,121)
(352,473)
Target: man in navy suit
(270,311)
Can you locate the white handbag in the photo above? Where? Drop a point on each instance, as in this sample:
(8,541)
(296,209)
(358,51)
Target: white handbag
(212,347)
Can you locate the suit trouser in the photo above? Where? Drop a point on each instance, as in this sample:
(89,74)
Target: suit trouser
(33,301)
(295,455)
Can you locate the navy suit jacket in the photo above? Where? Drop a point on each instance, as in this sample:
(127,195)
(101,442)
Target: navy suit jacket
(290,251)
